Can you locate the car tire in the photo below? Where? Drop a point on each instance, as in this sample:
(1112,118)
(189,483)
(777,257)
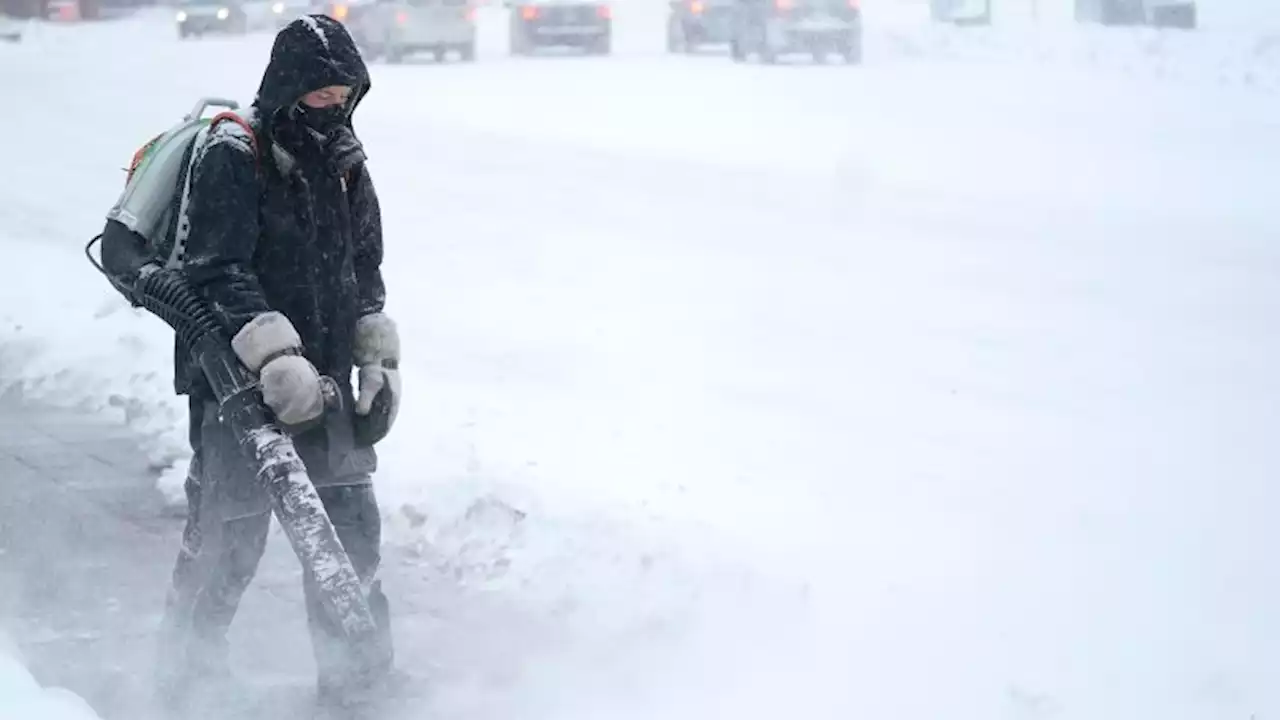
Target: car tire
(519,45)
(601,46)
(675,37)
(467,52)
(1179,17)
(439,55)
(852,52)
(395,56)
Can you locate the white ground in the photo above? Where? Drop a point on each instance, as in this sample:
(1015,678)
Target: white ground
(21,697)
(941,387)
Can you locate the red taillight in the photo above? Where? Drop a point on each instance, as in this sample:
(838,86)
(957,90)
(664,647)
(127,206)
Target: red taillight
(696,7)
(604,12)
(854,4)
(528,12)
(402,17)
(471,14)
(783,5)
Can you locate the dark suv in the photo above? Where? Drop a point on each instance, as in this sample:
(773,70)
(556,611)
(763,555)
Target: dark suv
(770,29)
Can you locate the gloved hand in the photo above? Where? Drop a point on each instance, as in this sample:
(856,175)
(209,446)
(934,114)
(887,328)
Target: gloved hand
(377,353)
(270,346)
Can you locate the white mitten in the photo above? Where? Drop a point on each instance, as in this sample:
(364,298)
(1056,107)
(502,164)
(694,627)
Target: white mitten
(377,353)
(270,346)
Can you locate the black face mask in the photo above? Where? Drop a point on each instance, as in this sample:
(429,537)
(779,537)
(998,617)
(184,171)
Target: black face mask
(322,120)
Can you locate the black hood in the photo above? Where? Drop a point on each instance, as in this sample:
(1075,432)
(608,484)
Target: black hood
(312,52)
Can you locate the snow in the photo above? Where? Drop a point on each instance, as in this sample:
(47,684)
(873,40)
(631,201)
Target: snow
(939,387)
(23,698)
(315,28)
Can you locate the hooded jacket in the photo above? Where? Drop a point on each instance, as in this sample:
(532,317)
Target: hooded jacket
(293,223)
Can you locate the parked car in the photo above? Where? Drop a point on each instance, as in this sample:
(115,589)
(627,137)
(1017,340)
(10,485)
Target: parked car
(693,23)
(10,29)
(771,29)
(1157,13)
(395,29)
(580,24)
(203,17)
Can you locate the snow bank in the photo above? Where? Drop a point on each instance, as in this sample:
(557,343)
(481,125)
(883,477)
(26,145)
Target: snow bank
(22,698)
(89,350)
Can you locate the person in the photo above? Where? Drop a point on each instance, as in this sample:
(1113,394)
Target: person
(284,243)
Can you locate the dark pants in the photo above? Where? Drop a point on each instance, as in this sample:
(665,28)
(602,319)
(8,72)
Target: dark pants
(226,533)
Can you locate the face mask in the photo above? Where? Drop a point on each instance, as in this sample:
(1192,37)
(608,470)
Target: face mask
(322,120)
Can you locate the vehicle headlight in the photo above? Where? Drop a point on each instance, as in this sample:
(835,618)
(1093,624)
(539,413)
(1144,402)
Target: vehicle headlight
(278,8)
(223,13)
(182,16)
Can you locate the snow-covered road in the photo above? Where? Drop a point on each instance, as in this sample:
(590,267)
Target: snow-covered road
(940,387)
(81,551)
(86,552)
